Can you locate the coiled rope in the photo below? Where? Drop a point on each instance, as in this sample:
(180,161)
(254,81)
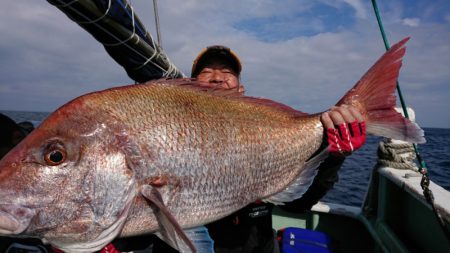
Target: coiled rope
(397,155)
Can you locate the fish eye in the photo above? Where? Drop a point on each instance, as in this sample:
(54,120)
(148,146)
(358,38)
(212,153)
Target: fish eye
(55,155)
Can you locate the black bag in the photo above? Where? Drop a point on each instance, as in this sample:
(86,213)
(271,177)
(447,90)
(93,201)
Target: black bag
(248,230)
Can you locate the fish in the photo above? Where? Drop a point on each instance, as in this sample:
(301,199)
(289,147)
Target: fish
(169,155)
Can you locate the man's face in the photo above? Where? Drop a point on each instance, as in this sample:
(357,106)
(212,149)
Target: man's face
(216,71)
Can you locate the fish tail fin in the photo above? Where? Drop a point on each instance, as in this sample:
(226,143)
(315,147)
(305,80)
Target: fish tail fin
(374,96)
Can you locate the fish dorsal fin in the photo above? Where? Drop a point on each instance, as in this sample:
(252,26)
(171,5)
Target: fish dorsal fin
(232,93)
(299,186)
(169,229)
(194,84)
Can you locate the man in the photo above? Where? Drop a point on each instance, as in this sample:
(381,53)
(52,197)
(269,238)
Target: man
(250,230)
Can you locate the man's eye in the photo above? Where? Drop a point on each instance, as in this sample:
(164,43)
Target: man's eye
(205,71)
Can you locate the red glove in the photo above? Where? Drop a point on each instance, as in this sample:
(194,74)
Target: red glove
(107,249)
(346,138)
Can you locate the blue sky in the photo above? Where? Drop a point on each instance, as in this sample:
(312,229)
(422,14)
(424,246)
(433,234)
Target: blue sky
(278,26)
(303,53)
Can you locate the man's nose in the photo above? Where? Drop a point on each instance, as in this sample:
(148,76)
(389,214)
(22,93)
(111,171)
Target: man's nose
(217,77)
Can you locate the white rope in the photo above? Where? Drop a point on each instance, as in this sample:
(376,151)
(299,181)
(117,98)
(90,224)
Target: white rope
(129,47)
(65,4)
(396,155)
(158,31)
(98,19)
(155,53)
(171,70)
(127,3)
(132,35)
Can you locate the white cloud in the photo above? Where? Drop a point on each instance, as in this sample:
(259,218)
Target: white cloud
(414,22)
(447,17)
(359,7)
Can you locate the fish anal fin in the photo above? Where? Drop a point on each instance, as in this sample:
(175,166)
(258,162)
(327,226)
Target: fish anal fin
(170,231)
(299,186)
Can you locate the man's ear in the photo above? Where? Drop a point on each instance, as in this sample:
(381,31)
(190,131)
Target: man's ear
(241,87)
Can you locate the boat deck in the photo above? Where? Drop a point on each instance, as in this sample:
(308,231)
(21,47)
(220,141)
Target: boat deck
(394,218)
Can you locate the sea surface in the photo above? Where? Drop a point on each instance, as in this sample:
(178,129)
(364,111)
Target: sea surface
(355,173)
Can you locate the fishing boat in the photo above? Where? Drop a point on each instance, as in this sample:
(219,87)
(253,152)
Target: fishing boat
(403,211)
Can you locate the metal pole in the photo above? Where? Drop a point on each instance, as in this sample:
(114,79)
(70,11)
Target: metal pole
(158,32)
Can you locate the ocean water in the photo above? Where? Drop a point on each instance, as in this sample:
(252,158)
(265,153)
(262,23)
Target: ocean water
(355,173)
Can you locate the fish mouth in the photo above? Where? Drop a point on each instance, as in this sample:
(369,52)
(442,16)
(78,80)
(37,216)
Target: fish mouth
(14,219)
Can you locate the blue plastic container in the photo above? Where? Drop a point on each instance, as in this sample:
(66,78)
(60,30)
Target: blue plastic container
(296,240)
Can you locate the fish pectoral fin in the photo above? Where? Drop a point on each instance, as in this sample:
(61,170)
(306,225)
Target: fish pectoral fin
(170,231)
(299,186)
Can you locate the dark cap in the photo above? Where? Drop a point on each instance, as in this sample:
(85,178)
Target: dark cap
(216,51)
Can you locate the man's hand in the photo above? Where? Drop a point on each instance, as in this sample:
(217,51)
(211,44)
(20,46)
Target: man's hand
(345,129)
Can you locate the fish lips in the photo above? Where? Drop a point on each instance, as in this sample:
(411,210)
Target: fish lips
(14,219)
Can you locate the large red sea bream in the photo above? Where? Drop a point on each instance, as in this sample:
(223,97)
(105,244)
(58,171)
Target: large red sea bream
(169,155)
